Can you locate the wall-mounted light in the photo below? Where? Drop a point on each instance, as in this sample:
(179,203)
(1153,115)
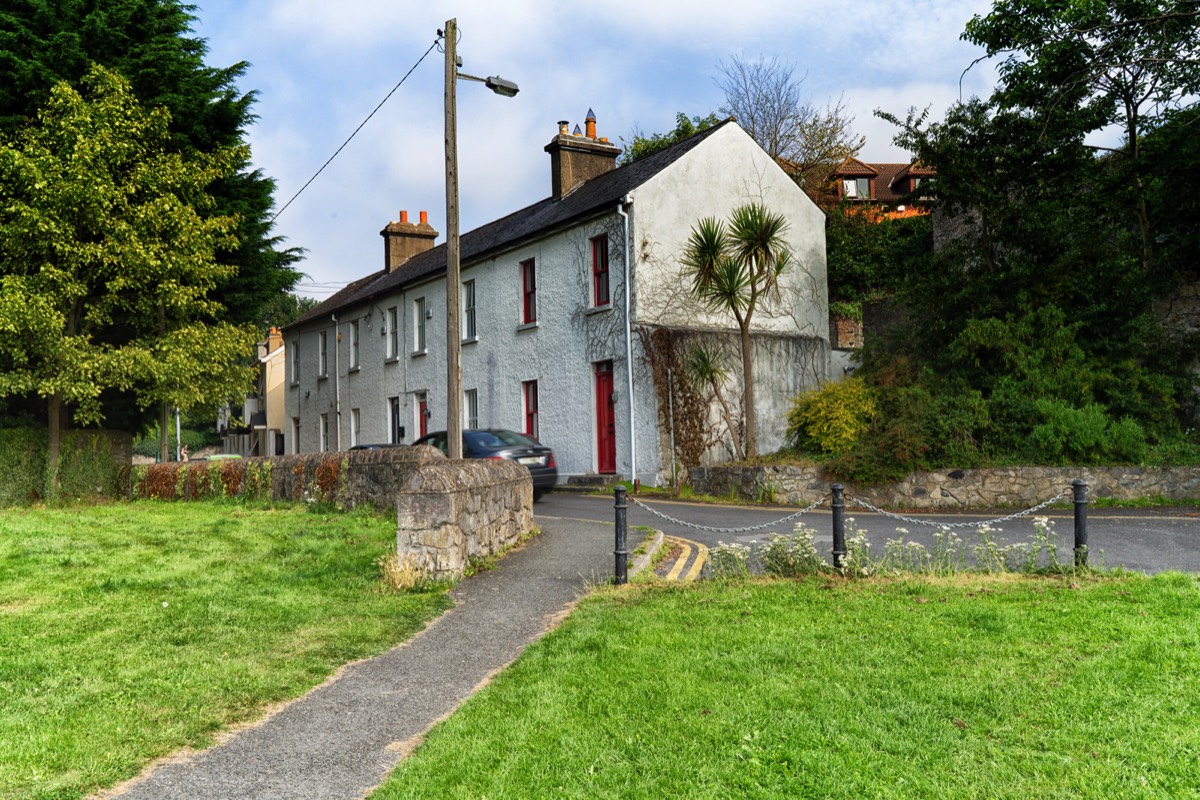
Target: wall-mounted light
(429,313)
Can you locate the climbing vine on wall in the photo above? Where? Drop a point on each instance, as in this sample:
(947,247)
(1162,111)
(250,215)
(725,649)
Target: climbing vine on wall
(694,432)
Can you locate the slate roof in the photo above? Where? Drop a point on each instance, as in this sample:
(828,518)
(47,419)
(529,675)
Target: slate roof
(601,192)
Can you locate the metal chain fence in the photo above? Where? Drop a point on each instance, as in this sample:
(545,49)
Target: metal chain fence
(986,523)
(838,507)
(711,529)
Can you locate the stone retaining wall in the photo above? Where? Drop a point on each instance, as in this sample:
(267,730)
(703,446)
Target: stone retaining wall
(452,512)
(969,488)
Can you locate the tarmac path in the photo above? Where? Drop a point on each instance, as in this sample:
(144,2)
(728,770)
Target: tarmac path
(345,736)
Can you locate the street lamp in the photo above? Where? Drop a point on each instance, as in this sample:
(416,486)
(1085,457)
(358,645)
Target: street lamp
(453,339)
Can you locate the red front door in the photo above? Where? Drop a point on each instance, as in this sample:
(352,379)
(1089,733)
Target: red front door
(423,414)
(606,427)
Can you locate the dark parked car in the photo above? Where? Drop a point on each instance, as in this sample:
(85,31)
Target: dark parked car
(378,446)
(509,445)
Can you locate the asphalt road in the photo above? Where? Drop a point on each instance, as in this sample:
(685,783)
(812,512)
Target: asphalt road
(1146,540)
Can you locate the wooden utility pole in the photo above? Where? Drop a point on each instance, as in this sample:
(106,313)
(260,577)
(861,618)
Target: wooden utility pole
(453,339)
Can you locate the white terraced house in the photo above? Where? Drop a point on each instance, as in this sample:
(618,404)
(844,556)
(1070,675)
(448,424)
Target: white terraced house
(574,313)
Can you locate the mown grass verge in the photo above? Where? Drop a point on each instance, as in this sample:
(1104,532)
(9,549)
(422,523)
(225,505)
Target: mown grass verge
(130,630)
(968,686)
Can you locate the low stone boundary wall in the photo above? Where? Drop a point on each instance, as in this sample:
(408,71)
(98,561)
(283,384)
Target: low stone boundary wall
(348,479)
(452,512)
(960,488)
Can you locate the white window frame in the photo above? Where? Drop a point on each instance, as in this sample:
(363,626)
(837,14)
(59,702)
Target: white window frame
(322,354)
(531,412)
(353,344)
(295,362)
(420,309)
(470,409)
(354,424)
(470,332)
(295,436)
(324,433)
(394,420)
(392,330)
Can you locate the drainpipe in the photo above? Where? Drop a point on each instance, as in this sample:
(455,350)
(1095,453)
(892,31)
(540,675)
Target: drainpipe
(627,201)
(337,380)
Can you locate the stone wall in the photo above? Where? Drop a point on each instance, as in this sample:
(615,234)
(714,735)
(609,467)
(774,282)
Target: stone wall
(349,479)
(970,488)
(453,512)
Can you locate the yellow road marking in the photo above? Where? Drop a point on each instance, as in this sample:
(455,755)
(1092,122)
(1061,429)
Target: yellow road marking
(701,557)
(686,545)
(681,561)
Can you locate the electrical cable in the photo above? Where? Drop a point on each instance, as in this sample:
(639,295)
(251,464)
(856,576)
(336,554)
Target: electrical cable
(356,130)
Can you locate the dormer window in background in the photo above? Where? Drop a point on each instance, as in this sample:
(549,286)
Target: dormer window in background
(859,188)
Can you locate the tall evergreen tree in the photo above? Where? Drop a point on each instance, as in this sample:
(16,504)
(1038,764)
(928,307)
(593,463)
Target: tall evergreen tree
(150,42)
(107,268)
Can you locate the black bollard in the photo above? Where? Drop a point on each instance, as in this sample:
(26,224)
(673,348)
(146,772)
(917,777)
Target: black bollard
(622,548)
(838,504)
(1081,532)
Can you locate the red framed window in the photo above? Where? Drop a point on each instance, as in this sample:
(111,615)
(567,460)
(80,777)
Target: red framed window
(528,292)
(600,271)
(530,390)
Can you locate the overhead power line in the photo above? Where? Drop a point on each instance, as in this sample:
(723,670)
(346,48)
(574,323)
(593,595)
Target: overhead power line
(356,130)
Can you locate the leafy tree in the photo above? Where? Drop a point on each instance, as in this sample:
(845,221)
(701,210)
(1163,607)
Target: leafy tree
(1087,65)
(767,99)
(640,145)
(150,42)
(868,257)
(735,268)
(108,262)
(285,308)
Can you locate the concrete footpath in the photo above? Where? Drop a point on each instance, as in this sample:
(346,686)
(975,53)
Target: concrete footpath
(344,737)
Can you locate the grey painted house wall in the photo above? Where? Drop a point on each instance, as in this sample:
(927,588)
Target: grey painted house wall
(351,400)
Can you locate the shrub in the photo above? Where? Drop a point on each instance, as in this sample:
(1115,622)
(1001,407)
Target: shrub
(1084,435)
(23,464)
(833,418)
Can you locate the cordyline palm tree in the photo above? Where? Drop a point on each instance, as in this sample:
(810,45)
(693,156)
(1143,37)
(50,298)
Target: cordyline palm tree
(733,267)
(705,370)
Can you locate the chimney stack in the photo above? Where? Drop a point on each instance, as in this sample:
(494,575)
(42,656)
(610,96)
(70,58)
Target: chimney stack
(576,158)
(402,240)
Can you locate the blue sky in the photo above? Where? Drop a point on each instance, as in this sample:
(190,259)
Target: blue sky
(320,67)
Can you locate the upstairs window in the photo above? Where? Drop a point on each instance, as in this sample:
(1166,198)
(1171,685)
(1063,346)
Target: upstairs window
(354,344)
(392,331)
(419,323)
(600,271)
(295,359)
(528,292)
(468,310)
(323,355)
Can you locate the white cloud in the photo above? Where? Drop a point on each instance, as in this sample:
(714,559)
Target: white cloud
(320,67)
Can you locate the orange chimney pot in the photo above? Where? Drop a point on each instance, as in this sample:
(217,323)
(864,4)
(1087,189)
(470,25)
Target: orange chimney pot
(424,217)
(404,216)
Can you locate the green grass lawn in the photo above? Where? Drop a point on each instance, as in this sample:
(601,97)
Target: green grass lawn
(128,631)
(965,687)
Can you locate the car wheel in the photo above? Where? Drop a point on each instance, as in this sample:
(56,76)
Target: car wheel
(537,495)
